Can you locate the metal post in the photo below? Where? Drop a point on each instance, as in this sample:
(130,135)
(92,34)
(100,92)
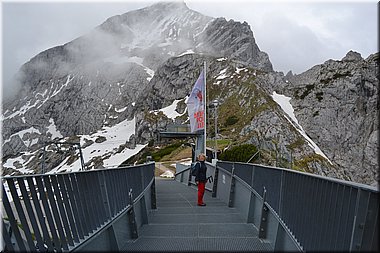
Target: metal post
(205,108)
(144,211)
(264,218)
(189,179)
(104,193)
(113,239)
(132,218)
(232,188)
(215,184)
(153,195)
(216,132)
(81,157)
(214,104)
(43,159)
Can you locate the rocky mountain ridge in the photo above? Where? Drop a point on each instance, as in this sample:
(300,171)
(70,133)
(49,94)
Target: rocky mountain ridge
(126,70)
(343,117)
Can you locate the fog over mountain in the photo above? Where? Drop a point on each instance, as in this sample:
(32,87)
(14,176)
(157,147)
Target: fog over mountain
(113,88)
(296,35)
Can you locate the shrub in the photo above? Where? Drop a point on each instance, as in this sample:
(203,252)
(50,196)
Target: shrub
(157,156)
(100,139)
(232,120)
(319,96)
(241,153)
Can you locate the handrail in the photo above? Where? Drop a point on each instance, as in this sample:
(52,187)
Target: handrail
(275,214)
(115,218)
(143,192)
(181,172)
(66,210)
(338,214)
(331,179)
(258,151)
(80,171)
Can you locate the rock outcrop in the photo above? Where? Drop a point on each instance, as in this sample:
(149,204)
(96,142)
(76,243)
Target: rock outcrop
(97,80)
(106,90)
(337,104)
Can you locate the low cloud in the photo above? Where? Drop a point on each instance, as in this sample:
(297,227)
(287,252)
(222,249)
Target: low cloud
(30,28)
(295,35)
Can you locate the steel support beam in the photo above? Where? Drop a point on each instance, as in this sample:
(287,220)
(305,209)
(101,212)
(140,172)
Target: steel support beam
(264,218)
(132,218)
(232,188)
(215,184)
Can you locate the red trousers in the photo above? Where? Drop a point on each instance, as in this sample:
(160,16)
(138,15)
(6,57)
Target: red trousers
(201,191)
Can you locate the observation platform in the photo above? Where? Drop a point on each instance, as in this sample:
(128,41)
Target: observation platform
(250,207)
(178,224)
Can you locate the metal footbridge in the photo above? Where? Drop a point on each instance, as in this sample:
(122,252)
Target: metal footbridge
(249,208)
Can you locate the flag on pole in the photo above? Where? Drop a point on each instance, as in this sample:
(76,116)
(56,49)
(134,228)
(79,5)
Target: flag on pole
(196,105)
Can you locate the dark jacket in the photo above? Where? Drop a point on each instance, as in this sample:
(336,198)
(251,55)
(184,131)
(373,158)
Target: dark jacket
(201,170)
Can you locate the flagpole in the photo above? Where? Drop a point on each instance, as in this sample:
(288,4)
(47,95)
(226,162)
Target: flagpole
(205,109)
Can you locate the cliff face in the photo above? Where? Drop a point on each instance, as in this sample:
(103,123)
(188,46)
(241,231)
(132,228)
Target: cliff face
(107,90)
(337,104)
(96,80)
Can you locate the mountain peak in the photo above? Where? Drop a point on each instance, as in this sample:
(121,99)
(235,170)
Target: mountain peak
(352,56)
(169,5)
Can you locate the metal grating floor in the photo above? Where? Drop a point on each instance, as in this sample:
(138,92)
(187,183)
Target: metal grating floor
(178,224)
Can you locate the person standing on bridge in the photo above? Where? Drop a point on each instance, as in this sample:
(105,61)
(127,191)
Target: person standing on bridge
(200,177)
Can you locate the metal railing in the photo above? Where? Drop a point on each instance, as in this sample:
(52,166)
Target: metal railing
(298,211)
(178,128)
(65,212)
(321,213)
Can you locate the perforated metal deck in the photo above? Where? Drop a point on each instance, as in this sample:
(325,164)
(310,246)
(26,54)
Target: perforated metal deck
(178,224)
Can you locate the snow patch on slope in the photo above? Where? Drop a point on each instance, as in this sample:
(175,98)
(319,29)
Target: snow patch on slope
(284,103)
(134,59)
(222,74)
(21,162)
(108,150)
(38,102)
(189,51)
(10,163)
(52,128)
(170,111)
(21,135)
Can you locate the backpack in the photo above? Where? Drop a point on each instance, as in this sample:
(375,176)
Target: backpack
(194,169)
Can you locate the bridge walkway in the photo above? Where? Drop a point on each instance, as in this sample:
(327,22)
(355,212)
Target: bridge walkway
(178,224)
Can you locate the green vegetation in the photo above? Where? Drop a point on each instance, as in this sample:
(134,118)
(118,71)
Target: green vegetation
(319,96)
(231,120)
(335,76)
(309,87)
(296,94)
(340,75)
(100,139)
(21,227)
(221,143)
(159,154)
(326,81)
(242,102)
(156,154)
(297,144)
(151,143)
(241,153)
(307,163)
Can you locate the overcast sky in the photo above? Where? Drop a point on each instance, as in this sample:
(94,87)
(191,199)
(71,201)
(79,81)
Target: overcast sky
(297,35)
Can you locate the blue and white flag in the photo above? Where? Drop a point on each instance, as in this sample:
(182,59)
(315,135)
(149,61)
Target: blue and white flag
(196,105)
